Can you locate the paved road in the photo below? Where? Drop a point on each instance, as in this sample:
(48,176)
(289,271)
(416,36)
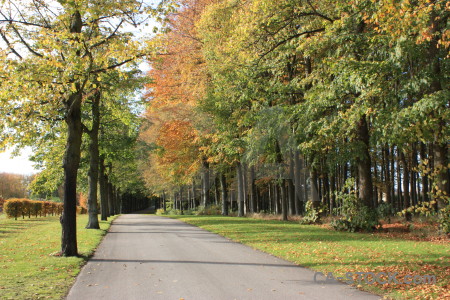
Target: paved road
(150,257)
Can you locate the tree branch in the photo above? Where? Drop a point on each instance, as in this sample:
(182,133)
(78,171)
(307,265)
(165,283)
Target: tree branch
(117,65)
(9,44)
(109,37)
(288,39)
(24,42)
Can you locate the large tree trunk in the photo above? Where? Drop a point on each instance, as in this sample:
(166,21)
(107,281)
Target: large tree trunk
(94,164)
(223,187)
(71,164)
(365,185)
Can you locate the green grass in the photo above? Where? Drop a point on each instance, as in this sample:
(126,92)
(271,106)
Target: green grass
(28,270)
(325,250)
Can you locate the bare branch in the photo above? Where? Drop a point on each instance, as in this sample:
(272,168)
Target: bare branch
(109,37)
(117,65)
(25,43)
(288,39)
(9,44)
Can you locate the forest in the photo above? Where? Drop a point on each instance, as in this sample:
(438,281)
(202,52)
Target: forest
(290,107)
(303,108)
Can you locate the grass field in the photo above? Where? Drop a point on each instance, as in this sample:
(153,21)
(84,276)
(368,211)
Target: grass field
(325,250)
(28,270)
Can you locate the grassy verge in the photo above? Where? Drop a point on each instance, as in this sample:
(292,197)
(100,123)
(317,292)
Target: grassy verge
(28,270)
(326,250)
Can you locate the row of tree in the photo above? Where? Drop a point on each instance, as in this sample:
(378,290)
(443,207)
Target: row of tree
(69,71)
(289,99)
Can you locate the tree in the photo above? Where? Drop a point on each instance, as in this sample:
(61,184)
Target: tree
(58,50)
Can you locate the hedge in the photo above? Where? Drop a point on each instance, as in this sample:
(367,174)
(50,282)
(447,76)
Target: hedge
(16,207)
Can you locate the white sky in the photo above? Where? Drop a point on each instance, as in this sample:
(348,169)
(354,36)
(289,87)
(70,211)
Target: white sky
(17,165)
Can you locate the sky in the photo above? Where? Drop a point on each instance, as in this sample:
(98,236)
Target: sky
(16,165)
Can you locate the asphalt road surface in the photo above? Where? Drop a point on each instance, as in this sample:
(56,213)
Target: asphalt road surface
(150,257)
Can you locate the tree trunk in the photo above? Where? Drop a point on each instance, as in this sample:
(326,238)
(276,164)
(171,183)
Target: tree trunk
(110,198)
(298,183)
(240,183)
(193,194)
(181,199)
(245,187)
(223,186)
(365,185)
(94,164)
(103,190)
(291,189)
(216,190)
(205,184)
(71,164)
(425,177)
(164,201)
(314,190)
(406,196)
(443,175)
(253,195)
(333,190)
(387,175)
(284,202)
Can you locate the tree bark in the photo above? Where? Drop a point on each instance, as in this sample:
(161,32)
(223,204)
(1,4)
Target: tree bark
(365,185)
(253,195)
(216,190)
(240,183)
(223,187)
(94,164)
(71,164)
(193,194)
(205,184)
(443,175)
(291,188)
(103,190)
(406,195)
(298,183)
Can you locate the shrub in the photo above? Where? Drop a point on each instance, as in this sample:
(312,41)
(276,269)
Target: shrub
(13,208)
(161,212)
(46,208)
(385,211)
(2,202)
(26,208)
(36,208)
(209,210)
(176,212)
(354,215)
(312,215)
